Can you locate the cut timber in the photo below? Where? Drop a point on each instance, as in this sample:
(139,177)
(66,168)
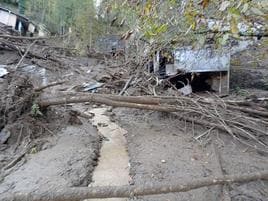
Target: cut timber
(80,193)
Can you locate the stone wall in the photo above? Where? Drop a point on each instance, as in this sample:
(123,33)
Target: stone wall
(249,69)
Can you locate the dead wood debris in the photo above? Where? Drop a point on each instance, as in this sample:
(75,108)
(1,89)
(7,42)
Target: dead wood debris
(242,125)
(246,120)
(15,99)
(33,49)
(80,193)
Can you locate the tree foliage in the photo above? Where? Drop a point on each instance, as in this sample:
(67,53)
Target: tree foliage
(156,21)
(182,21)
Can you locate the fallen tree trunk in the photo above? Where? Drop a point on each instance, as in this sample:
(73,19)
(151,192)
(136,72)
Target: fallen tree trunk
(81,193)
(106,101)
(145,103)
(195,114)
(151,100)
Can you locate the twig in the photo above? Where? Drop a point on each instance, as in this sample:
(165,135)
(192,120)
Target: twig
(126,85)
(49,85)
(15,161)
(203,134)
(24,55)
(19,139)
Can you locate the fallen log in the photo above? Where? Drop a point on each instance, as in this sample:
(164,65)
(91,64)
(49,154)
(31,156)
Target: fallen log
(81,193)
(151,100)
(211,120)
(106,101)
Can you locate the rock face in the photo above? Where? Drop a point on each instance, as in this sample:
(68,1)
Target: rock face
(249,69)
(249,78)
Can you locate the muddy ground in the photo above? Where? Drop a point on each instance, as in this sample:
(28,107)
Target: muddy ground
(163,149)
(62,150)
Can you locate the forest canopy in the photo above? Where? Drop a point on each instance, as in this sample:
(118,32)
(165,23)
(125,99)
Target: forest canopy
(164,21)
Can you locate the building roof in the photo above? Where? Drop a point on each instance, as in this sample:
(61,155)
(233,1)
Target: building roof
(9,11)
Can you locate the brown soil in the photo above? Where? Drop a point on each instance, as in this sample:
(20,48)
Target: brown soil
(163,149)
(54,148)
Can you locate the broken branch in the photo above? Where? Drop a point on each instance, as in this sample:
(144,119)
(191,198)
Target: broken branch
(49,85)
(25,54)
(126,85)
(80,193)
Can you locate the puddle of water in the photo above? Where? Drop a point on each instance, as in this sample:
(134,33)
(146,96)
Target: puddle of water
(113,168)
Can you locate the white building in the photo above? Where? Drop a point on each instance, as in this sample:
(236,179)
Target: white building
(17,22)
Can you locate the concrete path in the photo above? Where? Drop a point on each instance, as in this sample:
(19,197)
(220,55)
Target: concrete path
(113,165)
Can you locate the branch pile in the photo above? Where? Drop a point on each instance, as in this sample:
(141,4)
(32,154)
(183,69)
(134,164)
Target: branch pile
(245,124)
(37,49)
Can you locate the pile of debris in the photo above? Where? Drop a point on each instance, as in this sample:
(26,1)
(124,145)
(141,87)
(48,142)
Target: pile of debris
(16,98)
(23,127)
(4,29)
(245,120)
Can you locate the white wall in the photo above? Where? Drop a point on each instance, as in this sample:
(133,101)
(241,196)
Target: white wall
(8,18)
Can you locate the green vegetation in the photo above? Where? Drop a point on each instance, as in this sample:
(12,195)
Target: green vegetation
(157,21)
